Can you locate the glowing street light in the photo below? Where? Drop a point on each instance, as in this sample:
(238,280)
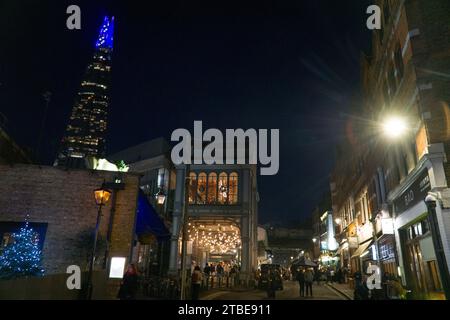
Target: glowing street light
(101,196)
(160,197)
(394,127)
(314,240)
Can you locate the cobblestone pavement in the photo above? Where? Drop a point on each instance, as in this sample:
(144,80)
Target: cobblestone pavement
(290,292)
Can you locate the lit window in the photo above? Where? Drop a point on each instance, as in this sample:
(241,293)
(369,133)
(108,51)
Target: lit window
(192,187)
(223,188)
(233,188)
(212,188)
(201,188)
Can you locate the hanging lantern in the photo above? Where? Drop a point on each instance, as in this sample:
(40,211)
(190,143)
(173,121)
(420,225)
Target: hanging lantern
(160,197)
(102,196)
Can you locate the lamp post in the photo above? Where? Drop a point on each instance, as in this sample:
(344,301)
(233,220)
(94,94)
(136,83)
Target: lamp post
(394,127)
(184,234)
(101,198)
(160,197)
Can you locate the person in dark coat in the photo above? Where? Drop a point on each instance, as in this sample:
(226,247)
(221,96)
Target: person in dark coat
(339,275)
(207,270)
(271,283)
(361,290)
(129,284)
(301,281)
(309,278)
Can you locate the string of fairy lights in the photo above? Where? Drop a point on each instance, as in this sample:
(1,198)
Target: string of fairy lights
(221,239)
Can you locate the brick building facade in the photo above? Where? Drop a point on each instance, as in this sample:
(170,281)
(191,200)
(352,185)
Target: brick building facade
(60,203)
(379,185)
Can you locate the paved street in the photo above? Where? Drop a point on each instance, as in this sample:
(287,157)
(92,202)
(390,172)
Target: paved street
(290,292)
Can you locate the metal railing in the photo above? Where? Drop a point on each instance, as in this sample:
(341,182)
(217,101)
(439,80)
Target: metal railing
(160,288)
(219,281)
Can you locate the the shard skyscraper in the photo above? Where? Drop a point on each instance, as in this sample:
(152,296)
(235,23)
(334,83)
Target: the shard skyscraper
(86,130)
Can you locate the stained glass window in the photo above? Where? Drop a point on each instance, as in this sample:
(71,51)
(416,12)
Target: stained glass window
(192,187)
(223,188)
(212,188)
(201,188)
(233,188)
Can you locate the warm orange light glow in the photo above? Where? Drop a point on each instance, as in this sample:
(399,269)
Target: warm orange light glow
(102,196)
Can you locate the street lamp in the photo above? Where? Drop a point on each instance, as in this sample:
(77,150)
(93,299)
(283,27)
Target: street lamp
(102,196)
(160,197)
(338,221)
(394,127)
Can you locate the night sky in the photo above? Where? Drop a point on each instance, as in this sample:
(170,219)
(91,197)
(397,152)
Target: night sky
(290,65)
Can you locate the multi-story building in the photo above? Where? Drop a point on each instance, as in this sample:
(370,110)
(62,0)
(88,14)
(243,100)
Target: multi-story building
(218,205)
(381,181)
(318,227)
(85,133)
(151,160)
(61,209)
(327,240)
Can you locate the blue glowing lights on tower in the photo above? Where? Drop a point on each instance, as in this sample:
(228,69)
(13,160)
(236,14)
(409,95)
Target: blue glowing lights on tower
(106,35)
(85,134)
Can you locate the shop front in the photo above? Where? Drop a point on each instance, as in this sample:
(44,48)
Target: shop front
(418,260)
(387,255)
(362,257)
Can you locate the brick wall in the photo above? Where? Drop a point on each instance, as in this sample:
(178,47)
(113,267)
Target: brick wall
(64,200)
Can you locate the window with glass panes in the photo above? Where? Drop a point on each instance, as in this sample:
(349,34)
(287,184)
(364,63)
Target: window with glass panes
(213,188)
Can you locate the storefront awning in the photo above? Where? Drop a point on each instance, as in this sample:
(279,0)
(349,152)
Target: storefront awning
(362,248)
(149,221)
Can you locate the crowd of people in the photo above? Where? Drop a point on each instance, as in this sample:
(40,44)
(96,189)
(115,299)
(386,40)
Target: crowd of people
(305,276)
(391,287)
(220,272)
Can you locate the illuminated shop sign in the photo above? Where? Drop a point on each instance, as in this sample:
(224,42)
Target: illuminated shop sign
(414,194)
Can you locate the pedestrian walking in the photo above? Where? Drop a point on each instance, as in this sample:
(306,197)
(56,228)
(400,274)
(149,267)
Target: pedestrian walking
(207,271)
(318,276)
(129,284)
(219,271)
(309,278)
(345,274)
(196,281)
(361,290)
(339,275)
(271,284)
(301,281)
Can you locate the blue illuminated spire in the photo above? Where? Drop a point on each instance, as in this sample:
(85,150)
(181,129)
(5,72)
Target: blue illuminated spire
(106,35)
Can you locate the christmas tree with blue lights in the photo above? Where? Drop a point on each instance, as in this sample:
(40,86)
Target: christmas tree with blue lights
(22,257)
